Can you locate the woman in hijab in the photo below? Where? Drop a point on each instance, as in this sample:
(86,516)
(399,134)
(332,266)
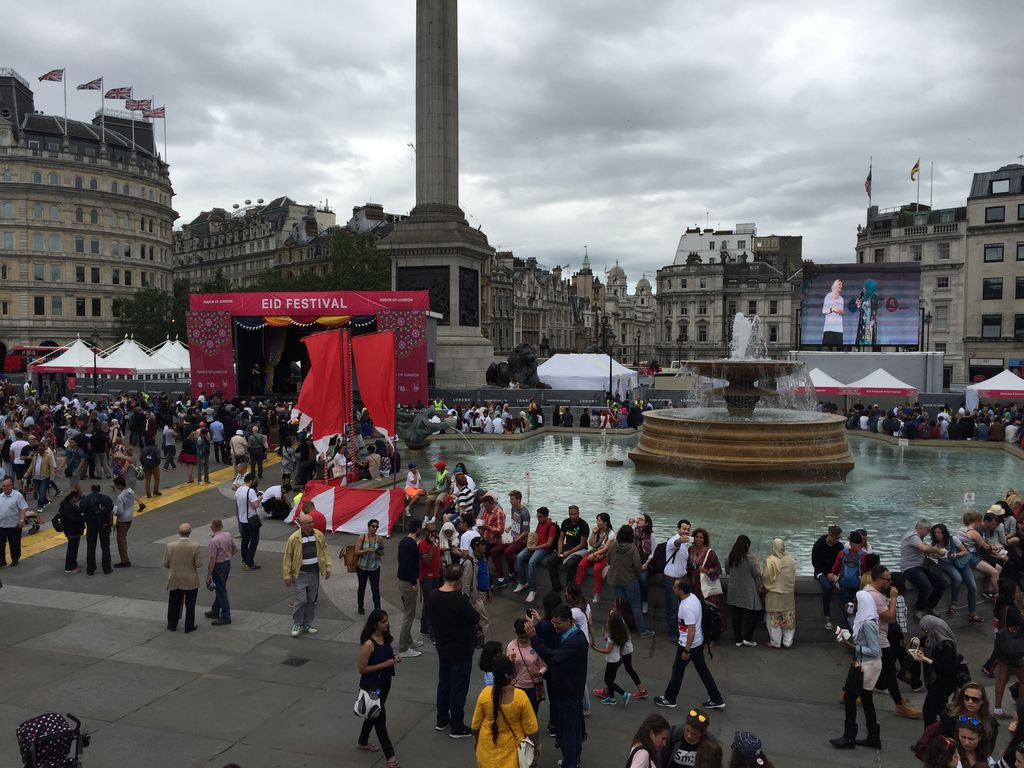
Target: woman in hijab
(449,544)
(862,677)
(779,578)
(867,313)
(937,651)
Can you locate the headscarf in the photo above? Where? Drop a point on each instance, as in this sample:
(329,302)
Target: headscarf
(835,287)
(936,631)
(869,289)
(866,611)
(778,548)
(445,544)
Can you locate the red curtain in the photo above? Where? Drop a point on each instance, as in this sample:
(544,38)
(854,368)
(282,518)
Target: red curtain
(325,387)
(374,355)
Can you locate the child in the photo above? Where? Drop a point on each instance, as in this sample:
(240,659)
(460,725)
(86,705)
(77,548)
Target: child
(491,652)
(619,649)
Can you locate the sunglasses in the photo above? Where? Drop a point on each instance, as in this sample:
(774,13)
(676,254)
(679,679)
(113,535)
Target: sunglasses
(375,525)
(972,720)
(699,717)
(972,699)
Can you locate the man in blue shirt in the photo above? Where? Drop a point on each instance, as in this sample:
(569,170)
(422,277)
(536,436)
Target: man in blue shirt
(217,436)
(408,581)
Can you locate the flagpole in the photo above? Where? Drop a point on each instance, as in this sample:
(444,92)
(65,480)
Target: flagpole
(165,135)
(871,163)
(103,117)
(919,189)
(64,80)
(931,181)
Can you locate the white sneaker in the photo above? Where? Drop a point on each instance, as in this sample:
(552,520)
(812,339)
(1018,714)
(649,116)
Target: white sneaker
(310,630)
(410,653)
(417,643)
(519,588)
(530,596)
(295,630)
(643,608)
(597,598)
(750,643)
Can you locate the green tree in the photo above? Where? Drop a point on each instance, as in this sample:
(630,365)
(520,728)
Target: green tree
(148,316)
(354,264)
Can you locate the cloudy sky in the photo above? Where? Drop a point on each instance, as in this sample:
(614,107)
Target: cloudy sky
(583,122)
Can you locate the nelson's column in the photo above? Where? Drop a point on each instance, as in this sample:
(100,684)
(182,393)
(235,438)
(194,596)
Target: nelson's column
(435,249)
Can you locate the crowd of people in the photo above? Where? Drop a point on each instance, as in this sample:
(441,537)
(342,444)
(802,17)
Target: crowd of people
(989,422)
(500,418)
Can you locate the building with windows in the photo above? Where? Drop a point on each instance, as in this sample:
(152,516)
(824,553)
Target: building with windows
(85,218)
(994,298)
(937,240)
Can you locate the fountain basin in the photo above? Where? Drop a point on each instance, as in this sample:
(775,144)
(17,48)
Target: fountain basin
(774,445)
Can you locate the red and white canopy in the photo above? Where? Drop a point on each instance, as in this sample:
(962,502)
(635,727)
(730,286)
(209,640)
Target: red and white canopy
(350,509)
(881,382)
(77,358)
(824,384)
(1002,386)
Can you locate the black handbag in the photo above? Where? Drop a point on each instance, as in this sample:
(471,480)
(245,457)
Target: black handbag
(57,523)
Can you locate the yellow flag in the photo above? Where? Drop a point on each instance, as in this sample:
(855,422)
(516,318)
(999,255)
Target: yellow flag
(915,170)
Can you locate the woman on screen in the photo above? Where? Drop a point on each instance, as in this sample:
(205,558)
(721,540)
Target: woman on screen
(867,315)
(833,309)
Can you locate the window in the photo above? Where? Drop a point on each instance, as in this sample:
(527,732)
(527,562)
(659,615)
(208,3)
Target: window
(78,182)
(93,184)
(1018,327)
(150,225)
(39,272)
(682,283)
(38,306)
(113,186)
(7,175)
(994,252)
(115,248)
(941,283)
(773,307)
(920,219)
(127,250)
(711,245)
(115,276)
(37,177)
(128,277)
(79,245)
(702,307)
(941,317)
(55,273)
(8,241)
(54,213)
(95,307)
(730,308)
(142,223)
(741,243)
(7,210)
(703,282)
(126,189)
(702,333)
(991,326)
(684,309)
(94,216)
(1020,251)
(943,251)
(773,333)
(79,216)
(145,279)
(54,180)
(3,271)
(992,288)
(94,274)
(940,346)
(79,274)
(995,214)
(725,245)
(94,246)
(79,307)
(879,255)
(37,242)
(1020,211)
(915,252)
(56,306)
(751,308)
(1018,288)
(999,187)
(37,211)
(4,309)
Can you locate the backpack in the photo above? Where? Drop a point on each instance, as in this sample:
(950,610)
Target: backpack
(710,624)
(849,568)
(657,565)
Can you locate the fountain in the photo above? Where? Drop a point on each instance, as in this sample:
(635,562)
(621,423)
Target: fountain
(744,442)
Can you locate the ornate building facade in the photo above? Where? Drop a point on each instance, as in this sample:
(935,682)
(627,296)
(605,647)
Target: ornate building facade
(85,218)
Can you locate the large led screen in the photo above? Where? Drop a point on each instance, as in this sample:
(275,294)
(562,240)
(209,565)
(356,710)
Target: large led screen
(861,305)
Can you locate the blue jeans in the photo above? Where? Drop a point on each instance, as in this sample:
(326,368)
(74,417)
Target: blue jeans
(570,730)
(827,588)
(671,607)
(250,540)
(526,566)
(221,609)
(958,576)
(929,587)
(644,576)
(679,669)
(42,488)
(631,592)
(452,687)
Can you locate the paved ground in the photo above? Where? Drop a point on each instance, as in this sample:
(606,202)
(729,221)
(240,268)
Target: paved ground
(249,693)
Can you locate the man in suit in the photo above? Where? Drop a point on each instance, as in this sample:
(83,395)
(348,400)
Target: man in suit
(183,559)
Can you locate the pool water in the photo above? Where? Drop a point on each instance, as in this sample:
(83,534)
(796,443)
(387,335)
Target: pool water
(888,490)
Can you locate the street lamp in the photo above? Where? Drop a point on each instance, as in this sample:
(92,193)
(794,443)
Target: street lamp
(95,342)
(679,348)
(928,332)
(606,331)
(636,355)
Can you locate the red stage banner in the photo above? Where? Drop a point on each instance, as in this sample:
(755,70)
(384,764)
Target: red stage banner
(321,398)
(410,329)
(309,304)
(211,354)
(374,355)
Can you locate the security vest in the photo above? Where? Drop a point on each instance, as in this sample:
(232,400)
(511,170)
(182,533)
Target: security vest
(439,480)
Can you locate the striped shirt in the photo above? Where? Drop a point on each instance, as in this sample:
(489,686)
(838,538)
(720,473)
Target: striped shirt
(309,561)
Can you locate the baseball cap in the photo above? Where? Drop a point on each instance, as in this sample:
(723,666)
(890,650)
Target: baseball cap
(412,465)
(439,465)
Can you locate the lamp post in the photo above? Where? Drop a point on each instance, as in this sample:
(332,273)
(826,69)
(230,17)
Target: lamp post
(606,332)
(95,342)
(636,355)
(928,332)
(679,348)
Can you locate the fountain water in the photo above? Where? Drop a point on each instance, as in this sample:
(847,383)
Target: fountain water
(744,442)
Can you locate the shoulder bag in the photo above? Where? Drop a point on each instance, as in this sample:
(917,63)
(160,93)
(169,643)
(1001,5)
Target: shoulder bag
(367,705)
(709,587)
(348,554)
(538,683)
(253,520)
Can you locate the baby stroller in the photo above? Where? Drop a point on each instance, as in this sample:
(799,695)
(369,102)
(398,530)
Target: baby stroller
(46,740)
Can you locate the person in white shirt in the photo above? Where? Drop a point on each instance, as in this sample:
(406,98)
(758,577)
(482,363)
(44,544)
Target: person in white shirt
(413,486)
(498,425)
(691,648)
(677,555)
(488,424)
(1012,432)
(277,501)
(472,532)
(247,502)
(341,466)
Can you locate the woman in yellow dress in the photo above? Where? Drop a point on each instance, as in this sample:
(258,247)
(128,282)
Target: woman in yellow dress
(502,718)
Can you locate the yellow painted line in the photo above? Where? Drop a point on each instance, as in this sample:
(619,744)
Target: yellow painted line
(50,539)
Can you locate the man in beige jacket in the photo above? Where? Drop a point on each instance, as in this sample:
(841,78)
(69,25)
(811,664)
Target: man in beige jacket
(183,559)
(306,561)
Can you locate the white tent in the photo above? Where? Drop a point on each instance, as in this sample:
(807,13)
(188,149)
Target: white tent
(881,382)
(1002,386)
(128,354)
(175,352)
(581,371)
(824,384)
(76,358)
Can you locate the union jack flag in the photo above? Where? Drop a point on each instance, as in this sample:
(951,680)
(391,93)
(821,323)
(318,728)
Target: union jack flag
(92,85)
(136,105)
(118,93)
(54,76)
(158,112)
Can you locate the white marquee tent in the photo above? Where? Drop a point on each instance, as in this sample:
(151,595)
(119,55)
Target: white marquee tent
(583,371)
(77,357)
(1002,386)
(881,382)
(824,384)
(176,353)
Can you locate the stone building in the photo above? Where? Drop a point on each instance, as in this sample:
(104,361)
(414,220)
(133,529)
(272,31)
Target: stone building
(254,238)
(994,297)
(937,240)
(85,218)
